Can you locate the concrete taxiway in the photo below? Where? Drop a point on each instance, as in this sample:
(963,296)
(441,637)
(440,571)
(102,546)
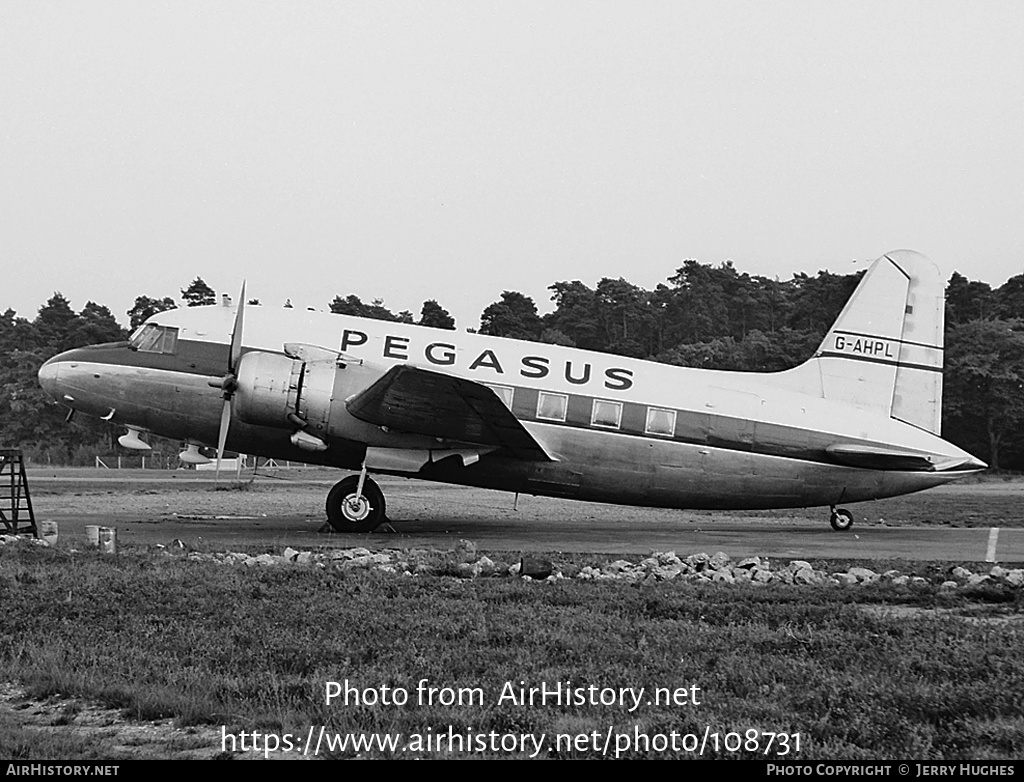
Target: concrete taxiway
(288,512)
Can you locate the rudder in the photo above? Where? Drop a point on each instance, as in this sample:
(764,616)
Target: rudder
(918,395)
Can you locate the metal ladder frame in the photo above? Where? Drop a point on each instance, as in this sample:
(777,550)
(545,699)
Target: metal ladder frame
(14,495)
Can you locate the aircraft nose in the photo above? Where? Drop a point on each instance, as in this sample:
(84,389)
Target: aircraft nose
(48,377)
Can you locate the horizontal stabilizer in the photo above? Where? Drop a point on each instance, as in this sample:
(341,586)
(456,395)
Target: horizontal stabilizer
(420,401)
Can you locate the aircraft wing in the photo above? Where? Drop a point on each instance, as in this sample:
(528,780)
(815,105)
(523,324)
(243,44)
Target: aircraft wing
(420,401)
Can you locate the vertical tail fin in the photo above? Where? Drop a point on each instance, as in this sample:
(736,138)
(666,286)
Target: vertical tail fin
(884,352)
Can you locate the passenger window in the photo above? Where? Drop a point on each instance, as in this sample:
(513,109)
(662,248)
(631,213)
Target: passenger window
(504,394)
(607,414)
(552,407)
(661,422)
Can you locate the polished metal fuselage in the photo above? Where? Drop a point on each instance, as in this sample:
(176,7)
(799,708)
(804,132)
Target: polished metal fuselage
(740,440)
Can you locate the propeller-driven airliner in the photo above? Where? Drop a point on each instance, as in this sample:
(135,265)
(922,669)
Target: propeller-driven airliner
(859,420)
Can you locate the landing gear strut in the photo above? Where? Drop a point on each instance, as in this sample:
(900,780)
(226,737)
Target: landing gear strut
(841,519)
(355,504)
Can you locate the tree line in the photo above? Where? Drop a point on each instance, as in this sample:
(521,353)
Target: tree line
(706,316)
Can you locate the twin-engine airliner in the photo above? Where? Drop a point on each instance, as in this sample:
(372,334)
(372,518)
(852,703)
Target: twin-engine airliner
(859,420)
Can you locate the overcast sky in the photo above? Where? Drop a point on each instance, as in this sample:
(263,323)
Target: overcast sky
(453,150)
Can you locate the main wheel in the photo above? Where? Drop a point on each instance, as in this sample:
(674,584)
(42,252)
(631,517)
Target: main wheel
(841,519)
(348,511)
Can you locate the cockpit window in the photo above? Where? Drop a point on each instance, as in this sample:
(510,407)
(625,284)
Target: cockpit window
(152,338)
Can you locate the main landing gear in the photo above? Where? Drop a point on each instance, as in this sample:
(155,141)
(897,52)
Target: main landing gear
(841,519)
(355,504)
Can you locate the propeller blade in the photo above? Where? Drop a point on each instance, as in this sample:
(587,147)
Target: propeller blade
(230,381)
(222,437)
(236,334)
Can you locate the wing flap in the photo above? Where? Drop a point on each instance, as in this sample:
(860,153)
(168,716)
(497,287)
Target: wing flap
(420,401)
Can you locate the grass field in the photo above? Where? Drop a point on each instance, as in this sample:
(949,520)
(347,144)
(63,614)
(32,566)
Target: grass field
(868,672)
(148,654)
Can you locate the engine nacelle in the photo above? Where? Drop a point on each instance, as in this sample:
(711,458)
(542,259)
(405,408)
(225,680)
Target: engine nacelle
(268,389)
(304,391)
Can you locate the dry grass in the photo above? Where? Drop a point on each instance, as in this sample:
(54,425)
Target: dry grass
(160,637)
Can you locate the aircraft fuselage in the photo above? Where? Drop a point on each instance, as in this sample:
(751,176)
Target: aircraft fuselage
(617,429)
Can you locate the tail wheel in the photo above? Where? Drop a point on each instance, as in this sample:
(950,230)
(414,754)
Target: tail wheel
(349,511)
(841,519)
